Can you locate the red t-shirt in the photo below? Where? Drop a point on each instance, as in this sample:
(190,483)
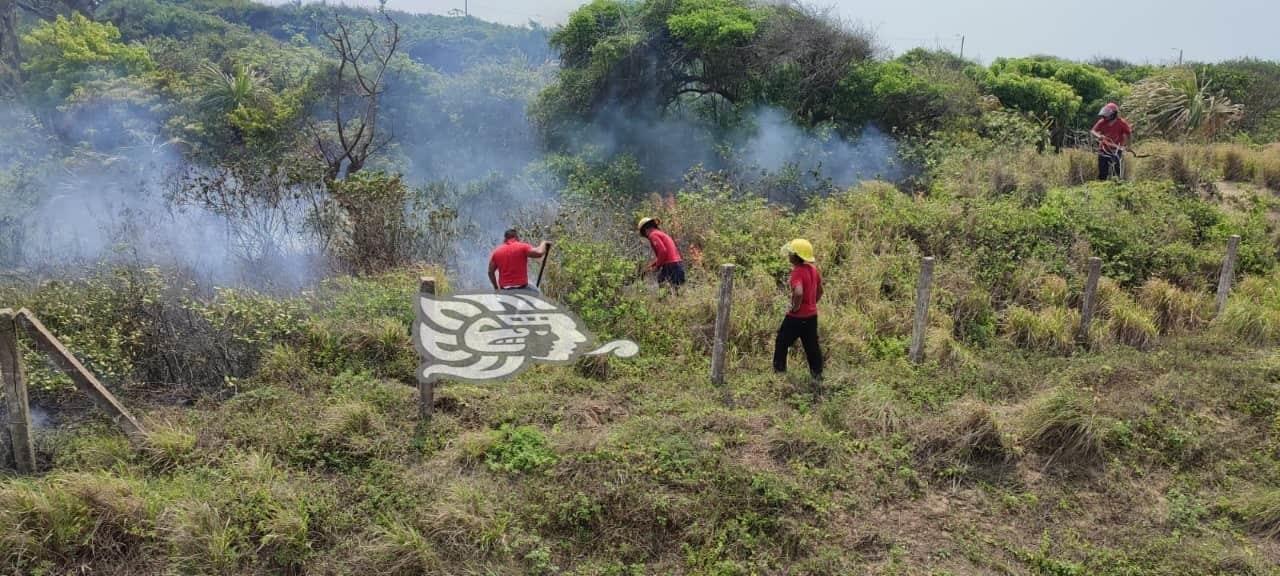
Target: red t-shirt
(1115,131)
(664,248)
(512,260)
(807,276)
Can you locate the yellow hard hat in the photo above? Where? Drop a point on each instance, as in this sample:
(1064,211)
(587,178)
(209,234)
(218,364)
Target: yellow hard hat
(800,247)
(643,221)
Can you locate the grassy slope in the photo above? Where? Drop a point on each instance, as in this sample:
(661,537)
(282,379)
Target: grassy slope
(1012,454)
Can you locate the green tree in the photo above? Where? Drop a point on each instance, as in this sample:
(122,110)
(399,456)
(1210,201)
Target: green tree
(1094,85)
(1042,97)
(712,58)
(1254,84)
(912,95)
(709,25)
(70,54)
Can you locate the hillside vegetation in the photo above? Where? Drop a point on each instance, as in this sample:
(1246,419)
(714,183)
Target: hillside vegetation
(181,210)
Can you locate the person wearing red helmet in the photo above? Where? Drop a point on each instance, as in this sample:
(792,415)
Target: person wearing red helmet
(1113,134)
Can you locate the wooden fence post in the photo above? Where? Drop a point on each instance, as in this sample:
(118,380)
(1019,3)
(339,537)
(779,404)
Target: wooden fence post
(722,324)
(15,394)
(921,324)
(1089,305)
(84,380)
(426,387)
(1228,273)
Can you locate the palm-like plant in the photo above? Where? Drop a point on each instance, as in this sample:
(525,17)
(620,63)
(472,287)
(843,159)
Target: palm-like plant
(228,91)
(1179,105)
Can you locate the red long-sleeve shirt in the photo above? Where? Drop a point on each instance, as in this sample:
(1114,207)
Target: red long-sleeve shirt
(664,249)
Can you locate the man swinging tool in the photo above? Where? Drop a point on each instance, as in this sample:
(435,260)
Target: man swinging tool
(666,257)
(509,263)
(1113,134)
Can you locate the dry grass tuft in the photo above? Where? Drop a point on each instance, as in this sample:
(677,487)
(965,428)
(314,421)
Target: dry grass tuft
(1261,512)
(1234,168)
(1176,311)
(1082,167)
(964,438)
(398,548)
(203,539)
(1253,313)
(871,410)
(70,520)
(1051,330)
(942,347)
(1251,323)
(1131,325)
(1064,428)
(1109,293)
(168,445)
(1052,291)
(1269,169)
(467,519)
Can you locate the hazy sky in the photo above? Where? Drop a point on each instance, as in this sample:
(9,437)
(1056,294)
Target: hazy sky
(1139,30)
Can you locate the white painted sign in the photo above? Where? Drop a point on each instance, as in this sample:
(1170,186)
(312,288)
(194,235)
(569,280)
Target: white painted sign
(487,336)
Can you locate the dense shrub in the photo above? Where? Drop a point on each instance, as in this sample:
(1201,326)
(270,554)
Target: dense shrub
(155,326)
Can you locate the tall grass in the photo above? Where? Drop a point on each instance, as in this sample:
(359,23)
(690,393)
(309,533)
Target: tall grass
(1131,325)
(1051,330)
(1176,311)
(1253,312)
(1064,427)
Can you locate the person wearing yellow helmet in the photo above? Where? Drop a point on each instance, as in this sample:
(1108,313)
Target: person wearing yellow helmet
(666,257)
(801,322)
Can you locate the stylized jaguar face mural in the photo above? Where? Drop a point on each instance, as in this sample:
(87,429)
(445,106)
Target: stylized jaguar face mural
(489,336)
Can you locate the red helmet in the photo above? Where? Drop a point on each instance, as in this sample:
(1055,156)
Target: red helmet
(1110,109)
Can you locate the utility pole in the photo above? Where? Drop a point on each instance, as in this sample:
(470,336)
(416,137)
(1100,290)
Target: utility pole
(1179,56)
(466,8)
(962,46)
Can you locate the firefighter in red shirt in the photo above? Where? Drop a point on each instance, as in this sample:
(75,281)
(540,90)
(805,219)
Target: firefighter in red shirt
(509,263)
(801,322)
(666,257)
(1113,134)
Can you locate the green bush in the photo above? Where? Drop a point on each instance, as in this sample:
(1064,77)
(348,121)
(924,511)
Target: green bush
(591,278)
(519,449)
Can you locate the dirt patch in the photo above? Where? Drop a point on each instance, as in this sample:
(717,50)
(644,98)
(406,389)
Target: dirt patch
(754,453)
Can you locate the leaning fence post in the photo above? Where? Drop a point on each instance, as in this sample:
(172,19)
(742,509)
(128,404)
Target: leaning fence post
(1228,273)
(15,393)
(1089,305)
(922,310)
(723,308)
(84,380)
(426,386)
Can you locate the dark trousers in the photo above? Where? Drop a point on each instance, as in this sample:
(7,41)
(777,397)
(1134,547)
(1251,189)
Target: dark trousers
(806,330)
(1110,165)
(672,274)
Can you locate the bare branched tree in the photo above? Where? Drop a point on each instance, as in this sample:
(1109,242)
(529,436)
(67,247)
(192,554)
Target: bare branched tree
(819,46)
(357,82)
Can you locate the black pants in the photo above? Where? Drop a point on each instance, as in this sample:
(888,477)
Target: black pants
(672,273)
(1110,165)
(806,330)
